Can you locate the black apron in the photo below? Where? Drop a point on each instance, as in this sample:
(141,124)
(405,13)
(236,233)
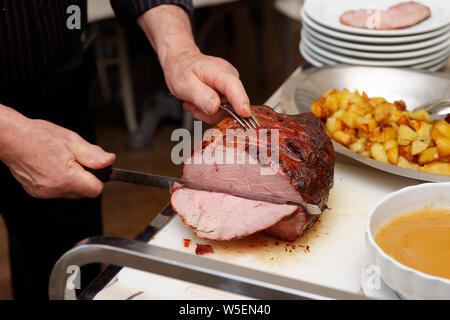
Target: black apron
(41,231)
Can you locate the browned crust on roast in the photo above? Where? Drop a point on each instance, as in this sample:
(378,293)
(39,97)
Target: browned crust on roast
(306,152)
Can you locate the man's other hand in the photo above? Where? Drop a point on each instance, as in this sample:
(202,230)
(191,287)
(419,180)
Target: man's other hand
(47,160)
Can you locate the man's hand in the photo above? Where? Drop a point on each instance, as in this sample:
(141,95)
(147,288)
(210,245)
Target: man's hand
(201,81)
(198,80)
(47,159)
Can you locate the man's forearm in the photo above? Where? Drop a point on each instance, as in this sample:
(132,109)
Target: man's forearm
(168,29)
(201,81)
(11,122)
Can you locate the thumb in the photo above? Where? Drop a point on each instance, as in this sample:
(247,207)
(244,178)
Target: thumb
(89,155)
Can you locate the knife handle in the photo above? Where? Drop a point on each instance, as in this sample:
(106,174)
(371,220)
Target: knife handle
(104,175)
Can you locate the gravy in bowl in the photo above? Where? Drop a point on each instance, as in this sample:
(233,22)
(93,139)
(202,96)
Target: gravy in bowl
(419,240)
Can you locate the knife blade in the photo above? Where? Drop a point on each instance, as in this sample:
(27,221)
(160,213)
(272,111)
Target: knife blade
(114,174)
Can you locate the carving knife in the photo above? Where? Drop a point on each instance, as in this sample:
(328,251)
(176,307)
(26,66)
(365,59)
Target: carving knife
(114,174)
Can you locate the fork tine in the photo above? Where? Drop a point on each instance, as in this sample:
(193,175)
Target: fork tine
(249,126)
(256,121)
(252,122)
(237,118)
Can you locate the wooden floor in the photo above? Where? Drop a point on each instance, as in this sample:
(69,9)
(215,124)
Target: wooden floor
(127,209)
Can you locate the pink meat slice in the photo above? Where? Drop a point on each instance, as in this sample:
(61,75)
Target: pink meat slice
(402,15)
(218,216)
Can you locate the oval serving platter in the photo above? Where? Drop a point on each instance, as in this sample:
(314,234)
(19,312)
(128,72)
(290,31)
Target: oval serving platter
(412,86)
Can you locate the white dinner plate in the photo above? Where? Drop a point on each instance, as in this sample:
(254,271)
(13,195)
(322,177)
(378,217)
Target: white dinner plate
(441,61)
(371,40)
(319,61)
(438,66)
(377,47)
(376,55)
(327,13)
(308,56)
(372,62)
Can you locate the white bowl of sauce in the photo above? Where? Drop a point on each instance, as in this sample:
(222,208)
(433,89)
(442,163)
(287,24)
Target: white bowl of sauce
(408,238)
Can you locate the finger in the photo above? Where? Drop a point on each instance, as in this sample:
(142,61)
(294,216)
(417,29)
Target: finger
(229,85)
(89,155)
(201,95)
(83,184)
(199,115)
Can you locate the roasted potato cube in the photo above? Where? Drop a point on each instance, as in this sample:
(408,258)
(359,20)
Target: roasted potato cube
(378,153)
(394,116)
(331,102)
(392,155)
(443,146)
(400,105)
(349,119)
(359,145)
(404,120)
(406,152)
(343,99)
(414,124)
(359,110)
(405,135)
(444,127)
(339,113)
(437,168)
(404,163)
(390,144)
(383,134)
(369,102)
(379,100)
(428,155)
(365,125)
(391,148)
(418,146)
(319,109)
(362,134)
(424,130)
(436,133)
(380,113)
(333,124)
(419,114)
(342,137)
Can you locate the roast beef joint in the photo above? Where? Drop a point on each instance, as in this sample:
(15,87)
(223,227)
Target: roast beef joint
(303,169)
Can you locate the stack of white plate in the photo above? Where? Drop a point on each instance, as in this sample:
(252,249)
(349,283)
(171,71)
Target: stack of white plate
(325,41)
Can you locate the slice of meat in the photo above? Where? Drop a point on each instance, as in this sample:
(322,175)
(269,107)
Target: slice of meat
(303,170)
(402,15)
(223,217)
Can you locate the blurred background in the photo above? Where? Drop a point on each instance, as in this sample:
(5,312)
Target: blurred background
(135,117)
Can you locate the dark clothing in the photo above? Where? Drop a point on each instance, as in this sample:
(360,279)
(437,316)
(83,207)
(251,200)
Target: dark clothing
(41,231)
(36,46)
(41,76)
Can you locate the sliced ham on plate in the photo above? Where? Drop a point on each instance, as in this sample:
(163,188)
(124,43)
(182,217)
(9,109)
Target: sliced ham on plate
(402,15)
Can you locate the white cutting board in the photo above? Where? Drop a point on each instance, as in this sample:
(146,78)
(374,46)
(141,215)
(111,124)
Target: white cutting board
(336,242)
